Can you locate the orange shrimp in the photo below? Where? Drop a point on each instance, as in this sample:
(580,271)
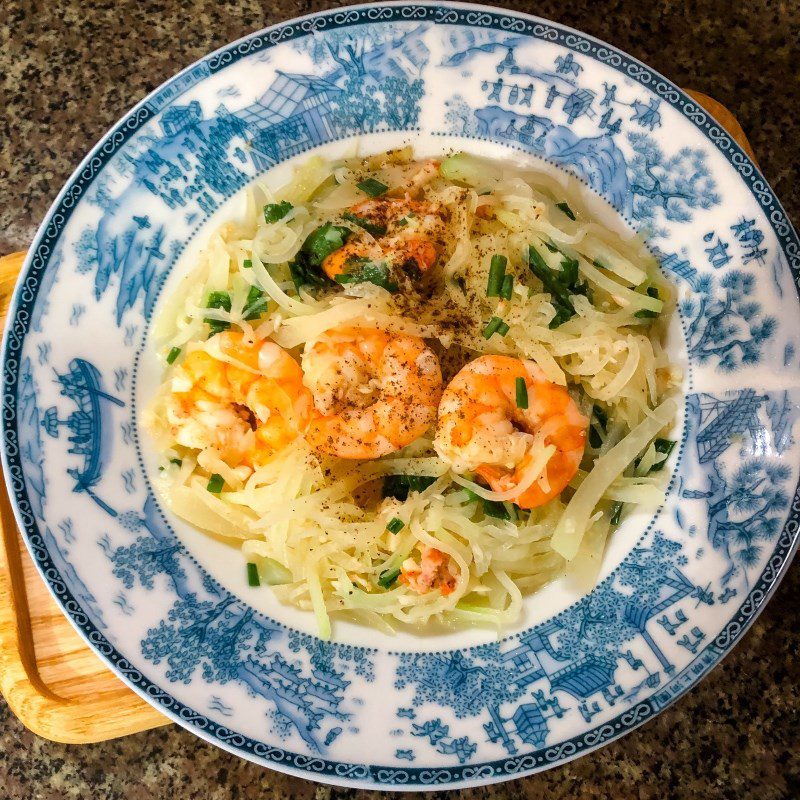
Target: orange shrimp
(245,399)
(374,392)
(432,572)
(481,429)
(412,228)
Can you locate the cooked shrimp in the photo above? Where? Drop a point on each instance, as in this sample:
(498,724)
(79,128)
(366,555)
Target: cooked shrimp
(244,399)
(432,572)
(481,429)
(412,230)
(374,392)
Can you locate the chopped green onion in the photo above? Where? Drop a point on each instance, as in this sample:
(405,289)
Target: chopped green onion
(403,221)
(522,393)
(220,300)
(616,513)
(665,448)
(560,285)
(399,486)
(566,209)
(495,325)
(256,303)
(388,577)
(598,426)
(495,510)
(372,187)
(173,354)
(215,483)
(497,272)
(362,222)
(368,272)
(646,313)
(395,525)
(273,212)
(252,575)
(507,290)
(176,461)
(247,263)
(306,268)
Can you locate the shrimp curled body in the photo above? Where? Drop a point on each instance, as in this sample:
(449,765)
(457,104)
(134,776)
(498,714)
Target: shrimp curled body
(481,428)
(412,231)
(243,399)
(374,392)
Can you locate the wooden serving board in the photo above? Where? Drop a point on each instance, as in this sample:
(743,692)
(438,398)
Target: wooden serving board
(50,678)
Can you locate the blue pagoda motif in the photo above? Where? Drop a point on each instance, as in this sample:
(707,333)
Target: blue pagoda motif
(177,119)
(580,655)
(530,724)
(291,116)
(720,420)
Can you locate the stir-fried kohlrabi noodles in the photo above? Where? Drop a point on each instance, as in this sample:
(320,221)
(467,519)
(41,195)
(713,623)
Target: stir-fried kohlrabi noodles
(415,390)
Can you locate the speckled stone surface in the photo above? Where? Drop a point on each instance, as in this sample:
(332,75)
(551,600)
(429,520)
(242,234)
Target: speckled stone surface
(68,70)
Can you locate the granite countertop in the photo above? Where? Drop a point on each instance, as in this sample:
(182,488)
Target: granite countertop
(71,68)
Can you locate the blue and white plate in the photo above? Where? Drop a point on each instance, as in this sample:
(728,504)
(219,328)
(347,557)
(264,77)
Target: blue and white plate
(169,610)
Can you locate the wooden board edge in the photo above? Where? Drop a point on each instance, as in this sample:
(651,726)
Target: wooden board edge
(116,711)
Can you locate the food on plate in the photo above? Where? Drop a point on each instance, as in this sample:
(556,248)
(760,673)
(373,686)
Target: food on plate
(415,391)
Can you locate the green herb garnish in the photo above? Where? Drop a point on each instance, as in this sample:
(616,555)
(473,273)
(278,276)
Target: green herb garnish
(522,393)
(372,187)
(497,273)
(253,578)
(495,325)
(646,313)
(173,354)
(665,447)
(247,263)
(399,486)
(395,525)
(274,212)
(256,305)
(388,577)
(491,508)
(560,284)
(566,209)
(176,461)
(215,483)
(507,289)
(362,222)
(306,269)
(220,300)
(598,426)
(369,272)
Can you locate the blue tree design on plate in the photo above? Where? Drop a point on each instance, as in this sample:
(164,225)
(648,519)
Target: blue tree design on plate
(668,186)
(725,326)
(144,560)
(745,510)
(223,638)
(745,497)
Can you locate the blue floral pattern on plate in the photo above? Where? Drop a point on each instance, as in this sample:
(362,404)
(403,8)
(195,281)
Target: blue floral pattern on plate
(431,713)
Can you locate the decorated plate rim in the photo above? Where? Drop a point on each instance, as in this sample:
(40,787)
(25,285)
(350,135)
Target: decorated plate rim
(319,768)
